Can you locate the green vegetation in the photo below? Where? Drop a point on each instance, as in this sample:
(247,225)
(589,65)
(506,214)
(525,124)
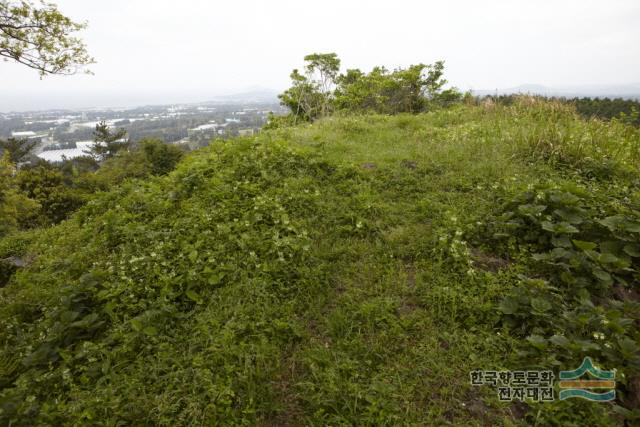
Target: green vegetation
(107,143)
(321,90)
(626,110)
(40,37)
(43,194)
(349,271)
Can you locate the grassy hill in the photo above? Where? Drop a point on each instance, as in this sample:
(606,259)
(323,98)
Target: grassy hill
(349,272)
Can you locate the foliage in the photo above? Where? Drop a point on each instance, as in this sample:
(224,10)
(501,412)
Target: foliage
(14,206)
(18,149)
(625,110)
(583,252)
(401,91)
(322,90)
(351,271)
(311,93)
(41,38)
(147,158)
(47,187)
(107,143)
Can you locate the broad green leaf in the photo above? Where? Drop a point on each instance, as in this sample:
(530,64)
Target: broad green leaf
(631,226)
(533,210)
(565,198)
(573,216)
(612,222)
(559,228)
(603,276)
(541,257)
(150,330)
(561,241)
(632,249)
(540,304)
(509,305)
(585,246)
(608,258)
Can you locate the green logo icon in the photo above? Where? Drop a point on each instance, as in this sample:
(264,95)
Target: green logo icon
(572,386)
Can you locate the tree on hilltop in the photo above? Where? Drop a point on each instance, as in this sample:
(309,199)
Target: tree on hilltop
(311,94)
(321,90)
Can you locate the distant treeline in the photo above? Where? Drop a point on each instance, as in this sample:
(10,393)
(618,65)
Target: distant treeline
(603,108)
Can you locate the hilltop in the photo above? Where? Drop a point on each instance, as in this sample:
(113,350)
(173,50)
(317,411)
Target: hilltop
(349,271)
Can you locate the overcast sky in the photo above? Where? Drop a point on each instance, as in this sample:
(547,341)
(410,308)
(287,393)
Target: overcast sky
(155,51)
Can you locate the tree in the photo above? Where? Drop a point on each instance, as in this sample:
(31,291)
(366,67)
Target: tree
(404,90)
(323,68)
(18,149)
(48,187)
(311,95)
(303,98)
(15,207)
(107,144)
(41,38)
(321,90)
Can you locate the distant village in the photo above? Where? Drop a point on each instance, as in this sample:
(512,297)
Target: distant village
(61,134)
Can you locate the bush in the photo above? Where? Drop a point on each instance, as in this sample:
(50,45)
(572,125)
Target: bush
(578,298)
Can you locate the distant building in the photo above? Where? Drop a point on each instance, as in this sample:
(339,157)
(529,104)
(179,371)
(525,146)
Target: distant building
(25,134)
(208,128)
(245,132)
(56,156)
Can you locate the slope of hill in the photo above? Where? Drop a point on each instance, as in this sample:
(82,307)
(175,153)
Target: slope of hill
(349,272)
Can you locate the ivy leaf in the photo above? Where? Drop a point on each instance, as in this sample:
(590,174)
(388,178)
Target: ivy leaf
(572,216)
(540,304)
(631,226)
(561,241)
(612,222)
(632,249)
(559,228)
(603,276)
(532,210)
(509,305)
(564,198)
(585,246)
(541,257)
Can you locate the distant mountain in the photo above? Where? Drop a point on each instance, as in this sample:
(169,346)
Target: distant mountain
(629,91)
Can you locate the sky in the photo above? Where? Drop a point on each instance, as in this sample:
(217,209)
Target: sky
(157,51)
